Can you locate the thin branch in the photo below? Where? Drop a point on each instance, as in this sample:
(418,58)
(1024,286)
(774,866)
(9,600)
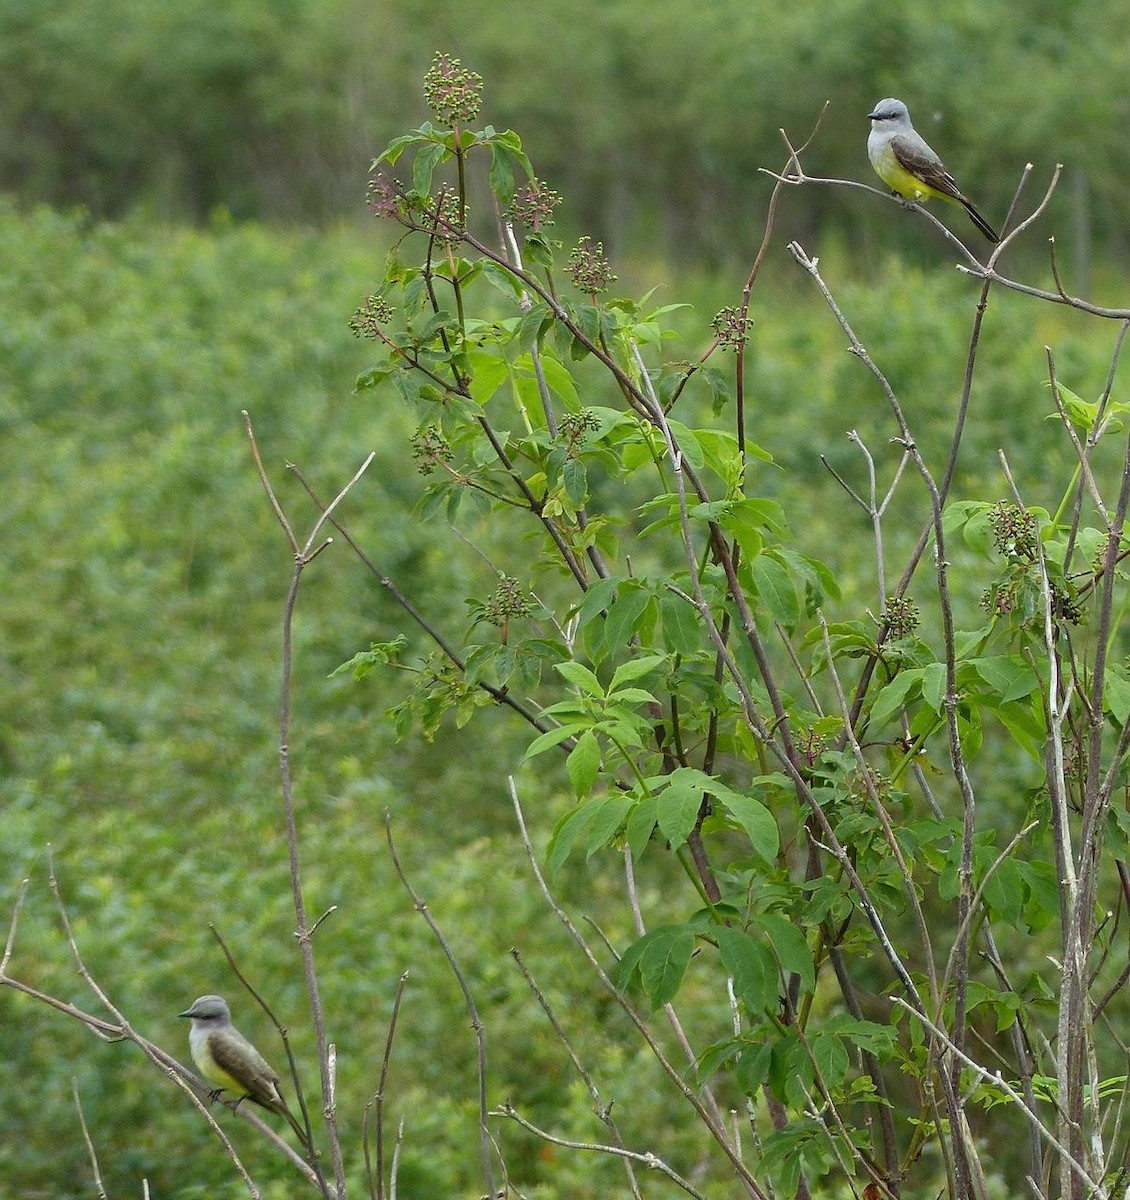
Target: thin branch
(799,178)
(99,1185)
(476,1023)
(500,695)
(675,1076)
(379,1095)
(13,925)
(394,1171)
(646,1159)
(264,479)
(602,1110)
(669,1010)
(303,931)
(304,1130)
(909,889)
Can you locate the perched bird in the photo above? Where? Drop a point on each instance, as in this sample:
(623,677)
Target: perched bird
(907,165)
(229,1062)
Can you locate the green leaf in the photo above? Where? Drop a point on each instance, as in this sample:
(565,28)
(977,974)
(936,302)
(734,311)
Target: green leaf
(664,962)
(580,676)
(605,822)
(488,373)
(741,519)
(538,249)
(641,825)
(867,1035)
(934,685)
(501,278)
(583,763)
(1081,413)
(561,382)
(533,323)
(714,1058)
(423,166)
(720,450)
(894,697)
(681,623)
(378,654)
(719,385)
(687,441)
(751,967)
(757,821)
(677,804)
(636,669)
(768,514)
(1004,890)
(776,589)
(576,482)
(1011,677)
(502,174)
(753,1068)
(831,1057)
(972,518)
(373,377)
(573,827)
(628,697)
(1027,727)
(397,146)
(425,330)
(790,947)
(1116,695)
(790,1074)
(596,601)
(627,966)
(623,613)
(549,739)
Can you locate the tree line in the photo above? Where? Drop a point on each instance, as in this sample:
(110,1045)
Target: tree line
(273,110)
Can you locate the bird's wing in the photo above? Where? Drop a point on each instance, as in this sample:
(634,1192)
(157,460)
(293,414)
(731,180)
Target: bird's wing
(240,1060)
(916,157)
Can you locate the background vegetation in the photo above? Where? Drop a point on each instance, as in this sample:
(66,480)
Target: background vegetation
(652,117)
(145,573)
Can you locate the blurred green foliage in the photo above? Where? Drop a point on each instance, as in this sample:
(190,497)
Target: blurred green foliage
(654,117)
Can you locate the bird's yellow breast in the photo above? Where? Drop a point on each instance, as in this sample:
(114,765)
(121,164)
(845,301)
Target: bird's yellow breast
(899,179)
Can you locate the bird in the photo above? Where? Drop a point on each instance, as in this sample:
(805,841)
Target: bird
(229,1062)
(907,165)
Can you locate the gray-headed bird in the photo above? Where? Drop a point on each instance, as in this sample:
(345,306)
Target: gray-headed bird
(907,165)
(229,1062)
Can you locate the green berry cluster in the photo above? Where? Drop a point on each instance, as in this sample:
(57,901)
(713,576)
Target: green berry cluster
(588,268)
(452,92)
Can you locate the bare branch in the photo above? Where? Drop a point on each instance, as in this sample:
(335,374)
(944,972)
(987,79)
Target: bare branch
(645,1159)
(98,1184)
(468,997)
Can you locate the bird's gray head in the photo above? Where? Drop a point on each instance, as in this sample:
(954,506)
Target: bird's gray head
(890,114)
(211,1009)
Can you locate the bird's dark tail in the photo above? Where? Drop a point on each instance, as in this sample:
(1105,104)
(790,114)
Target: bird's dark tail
(280,1106)
(980,221)
(296,1126)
